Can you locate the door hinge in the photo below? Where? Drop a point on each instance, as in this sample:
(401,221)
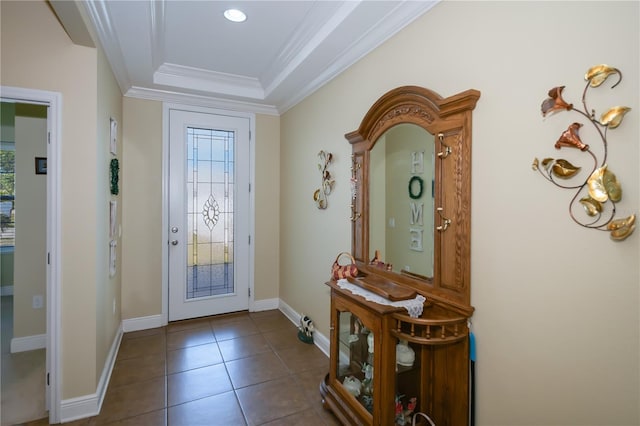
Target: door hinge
(48,258)
(249,239)
(249,187)
(249,134)
(47,379)
(249,292)
(48,137)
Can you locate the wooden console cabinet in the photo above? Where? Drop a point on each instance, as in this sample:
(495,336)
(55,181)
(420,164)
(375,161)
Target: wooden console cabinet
(438,378)
(367,384)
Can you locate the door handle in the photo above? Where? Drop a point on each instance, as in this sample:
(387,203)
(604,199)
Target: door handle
(174,242)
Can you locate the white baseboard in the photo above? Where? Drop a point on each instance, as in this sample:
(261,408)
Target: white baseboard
(103,384)
(322,342)
(79,408)
(155,321)
(6,290)
(28,343)
(288,312)
(142,323)
(319,339)
(89,405)
(264,305)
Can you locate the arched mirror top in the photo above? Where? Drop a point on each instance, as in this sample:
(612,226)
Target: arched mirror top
(443,214)
(410,104)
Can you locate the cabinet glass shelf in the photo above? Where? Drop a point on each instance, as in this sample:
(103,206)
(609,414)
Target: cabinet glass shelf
(355,360)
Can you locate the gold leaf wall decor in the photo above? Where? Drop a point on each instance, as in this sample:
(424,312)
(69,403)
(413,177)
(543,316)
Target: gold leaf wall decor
(564,169)
(613,117)
(592,207)
(600,191)
(598,74)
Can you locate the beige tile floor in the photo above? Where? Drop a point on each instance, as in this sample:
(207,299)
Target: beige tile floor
(239,369)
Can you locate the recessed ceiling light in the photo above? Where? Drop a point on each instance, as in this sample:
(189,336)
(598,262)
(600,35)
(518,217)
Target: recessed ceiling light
(235,15)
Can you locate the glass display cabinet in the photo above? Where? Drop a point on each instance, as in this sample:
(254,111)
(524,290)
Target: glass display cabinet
(356,368)
(386,366)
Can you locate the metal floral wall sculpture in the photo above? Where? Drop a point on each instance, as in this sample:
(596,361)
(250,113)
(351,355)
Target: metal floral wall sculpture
(600,192)
(320,195)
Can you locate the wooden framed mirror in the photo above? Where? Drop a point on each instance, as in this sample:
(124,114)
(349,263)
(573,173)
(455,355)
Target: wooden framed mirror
(411,177)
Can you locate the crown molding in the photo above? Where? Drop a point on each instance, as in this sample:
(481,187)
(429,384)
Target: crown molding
(97,12)
(405,13)
(208,81)
(203,101)
(302,45)
(157,33)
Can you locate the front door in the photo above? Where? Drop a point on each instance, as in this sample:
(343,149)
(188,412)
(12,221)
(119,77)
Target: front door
(209,214)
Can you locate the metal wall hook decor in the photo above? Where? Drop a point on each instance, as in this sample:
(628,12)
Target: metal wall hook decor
(355,166)
(445,221)
(447,149)
(320,195)
(600,191)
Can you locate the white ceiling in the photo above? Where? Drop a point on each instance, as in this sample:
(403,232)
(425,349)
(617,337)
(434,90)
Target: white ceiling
(186,51)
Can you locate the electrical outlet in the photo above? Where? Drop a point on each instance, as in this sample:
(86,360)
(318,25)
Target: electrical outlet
(37,302)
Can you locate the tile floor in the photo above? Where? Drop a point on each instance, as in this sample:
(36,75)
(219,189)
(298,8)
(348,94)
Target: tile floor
(22,394)
(238,369)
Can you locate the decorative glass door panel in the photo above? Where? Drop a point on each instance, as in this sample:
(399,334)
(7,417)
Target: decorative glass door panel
(210,182)
(355,360)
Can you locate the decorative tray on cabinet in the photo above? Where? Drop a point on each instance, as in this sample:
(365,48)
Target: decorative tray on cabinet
(387,289)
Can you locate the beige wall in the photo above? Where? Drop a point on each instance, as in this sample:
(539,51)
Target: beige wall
(37,54)
(30,249)
(108,288)
(557,317)
(557,306)
(267,207)
(142,209)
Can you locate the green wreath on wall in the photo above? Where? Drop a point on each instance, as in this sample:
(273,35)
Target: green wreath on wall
(420,184)
(114,168)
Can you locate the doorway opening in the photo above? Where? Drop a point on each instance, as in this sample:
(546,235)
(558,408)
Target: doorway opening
(28,235)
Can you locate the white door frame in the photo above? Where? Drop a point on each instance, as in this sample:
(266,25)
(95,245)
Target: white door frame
(54,128)
(166,107)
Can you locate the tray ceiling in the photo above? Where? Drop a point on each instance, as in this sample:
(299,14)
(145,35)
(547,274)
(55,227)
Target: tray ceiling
(283,52)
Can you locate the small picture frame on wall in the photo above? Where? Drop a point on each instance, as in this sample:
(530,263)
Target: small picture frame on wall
(113,218)
(113,136)
(41,165)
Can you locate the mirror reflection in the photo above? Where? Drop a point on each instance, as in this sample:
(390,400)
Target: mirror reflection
(401,199)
